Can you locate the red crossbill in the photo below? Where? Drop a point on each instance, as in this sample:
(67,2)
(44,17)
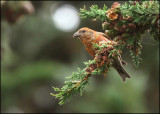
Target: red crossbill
(88,37)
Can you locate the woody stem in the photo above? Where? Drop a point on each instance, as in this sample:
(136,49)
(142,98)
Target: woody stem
(77,84)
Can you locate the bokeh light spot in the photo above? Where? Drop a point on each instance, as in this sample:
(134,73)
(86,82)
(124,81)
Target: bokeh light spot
(66,18)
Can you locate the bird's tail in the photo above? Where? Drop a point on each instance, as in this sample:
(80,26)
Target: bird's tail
(121,71)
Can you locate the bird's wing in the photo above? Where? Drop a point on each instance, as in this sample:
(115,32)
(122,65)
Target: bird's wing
(123,62)
(104,35)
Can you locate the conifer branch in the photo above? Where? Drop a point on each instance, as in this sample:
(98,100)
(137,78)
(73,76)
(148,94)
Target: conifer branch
(124,24)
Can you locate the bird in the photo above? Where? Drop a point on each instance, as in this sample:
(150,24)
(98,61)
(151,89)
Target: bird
(89,37)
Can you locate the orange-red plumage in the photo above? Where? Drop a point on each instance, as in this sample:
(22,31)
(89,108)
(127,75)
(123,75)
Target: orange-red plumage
(88,37)
(91,36)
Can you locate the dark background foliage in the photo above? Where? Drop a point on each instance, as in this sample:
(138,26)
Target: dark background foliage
(35,55)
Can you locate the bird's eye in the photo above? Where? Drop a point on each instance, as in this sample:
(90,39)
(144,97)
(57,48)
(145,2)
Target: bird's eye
(83,31)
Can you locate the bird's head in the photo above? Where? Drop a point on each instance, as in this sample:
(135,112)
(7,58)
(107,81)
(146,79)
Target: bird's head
(84,34)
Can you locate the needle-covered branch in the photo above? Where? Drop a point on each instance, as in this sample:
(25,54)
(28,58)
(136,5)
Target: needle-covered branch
(78,80)
(124,24)
(127,23)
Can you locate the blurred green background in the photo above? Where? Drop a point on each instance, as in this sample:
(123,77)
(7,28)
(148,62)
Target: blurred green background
(38,52)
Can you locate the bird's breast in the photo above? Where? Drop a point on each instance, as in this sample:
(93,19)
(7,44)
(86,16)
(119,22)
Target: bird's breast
(90,48)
